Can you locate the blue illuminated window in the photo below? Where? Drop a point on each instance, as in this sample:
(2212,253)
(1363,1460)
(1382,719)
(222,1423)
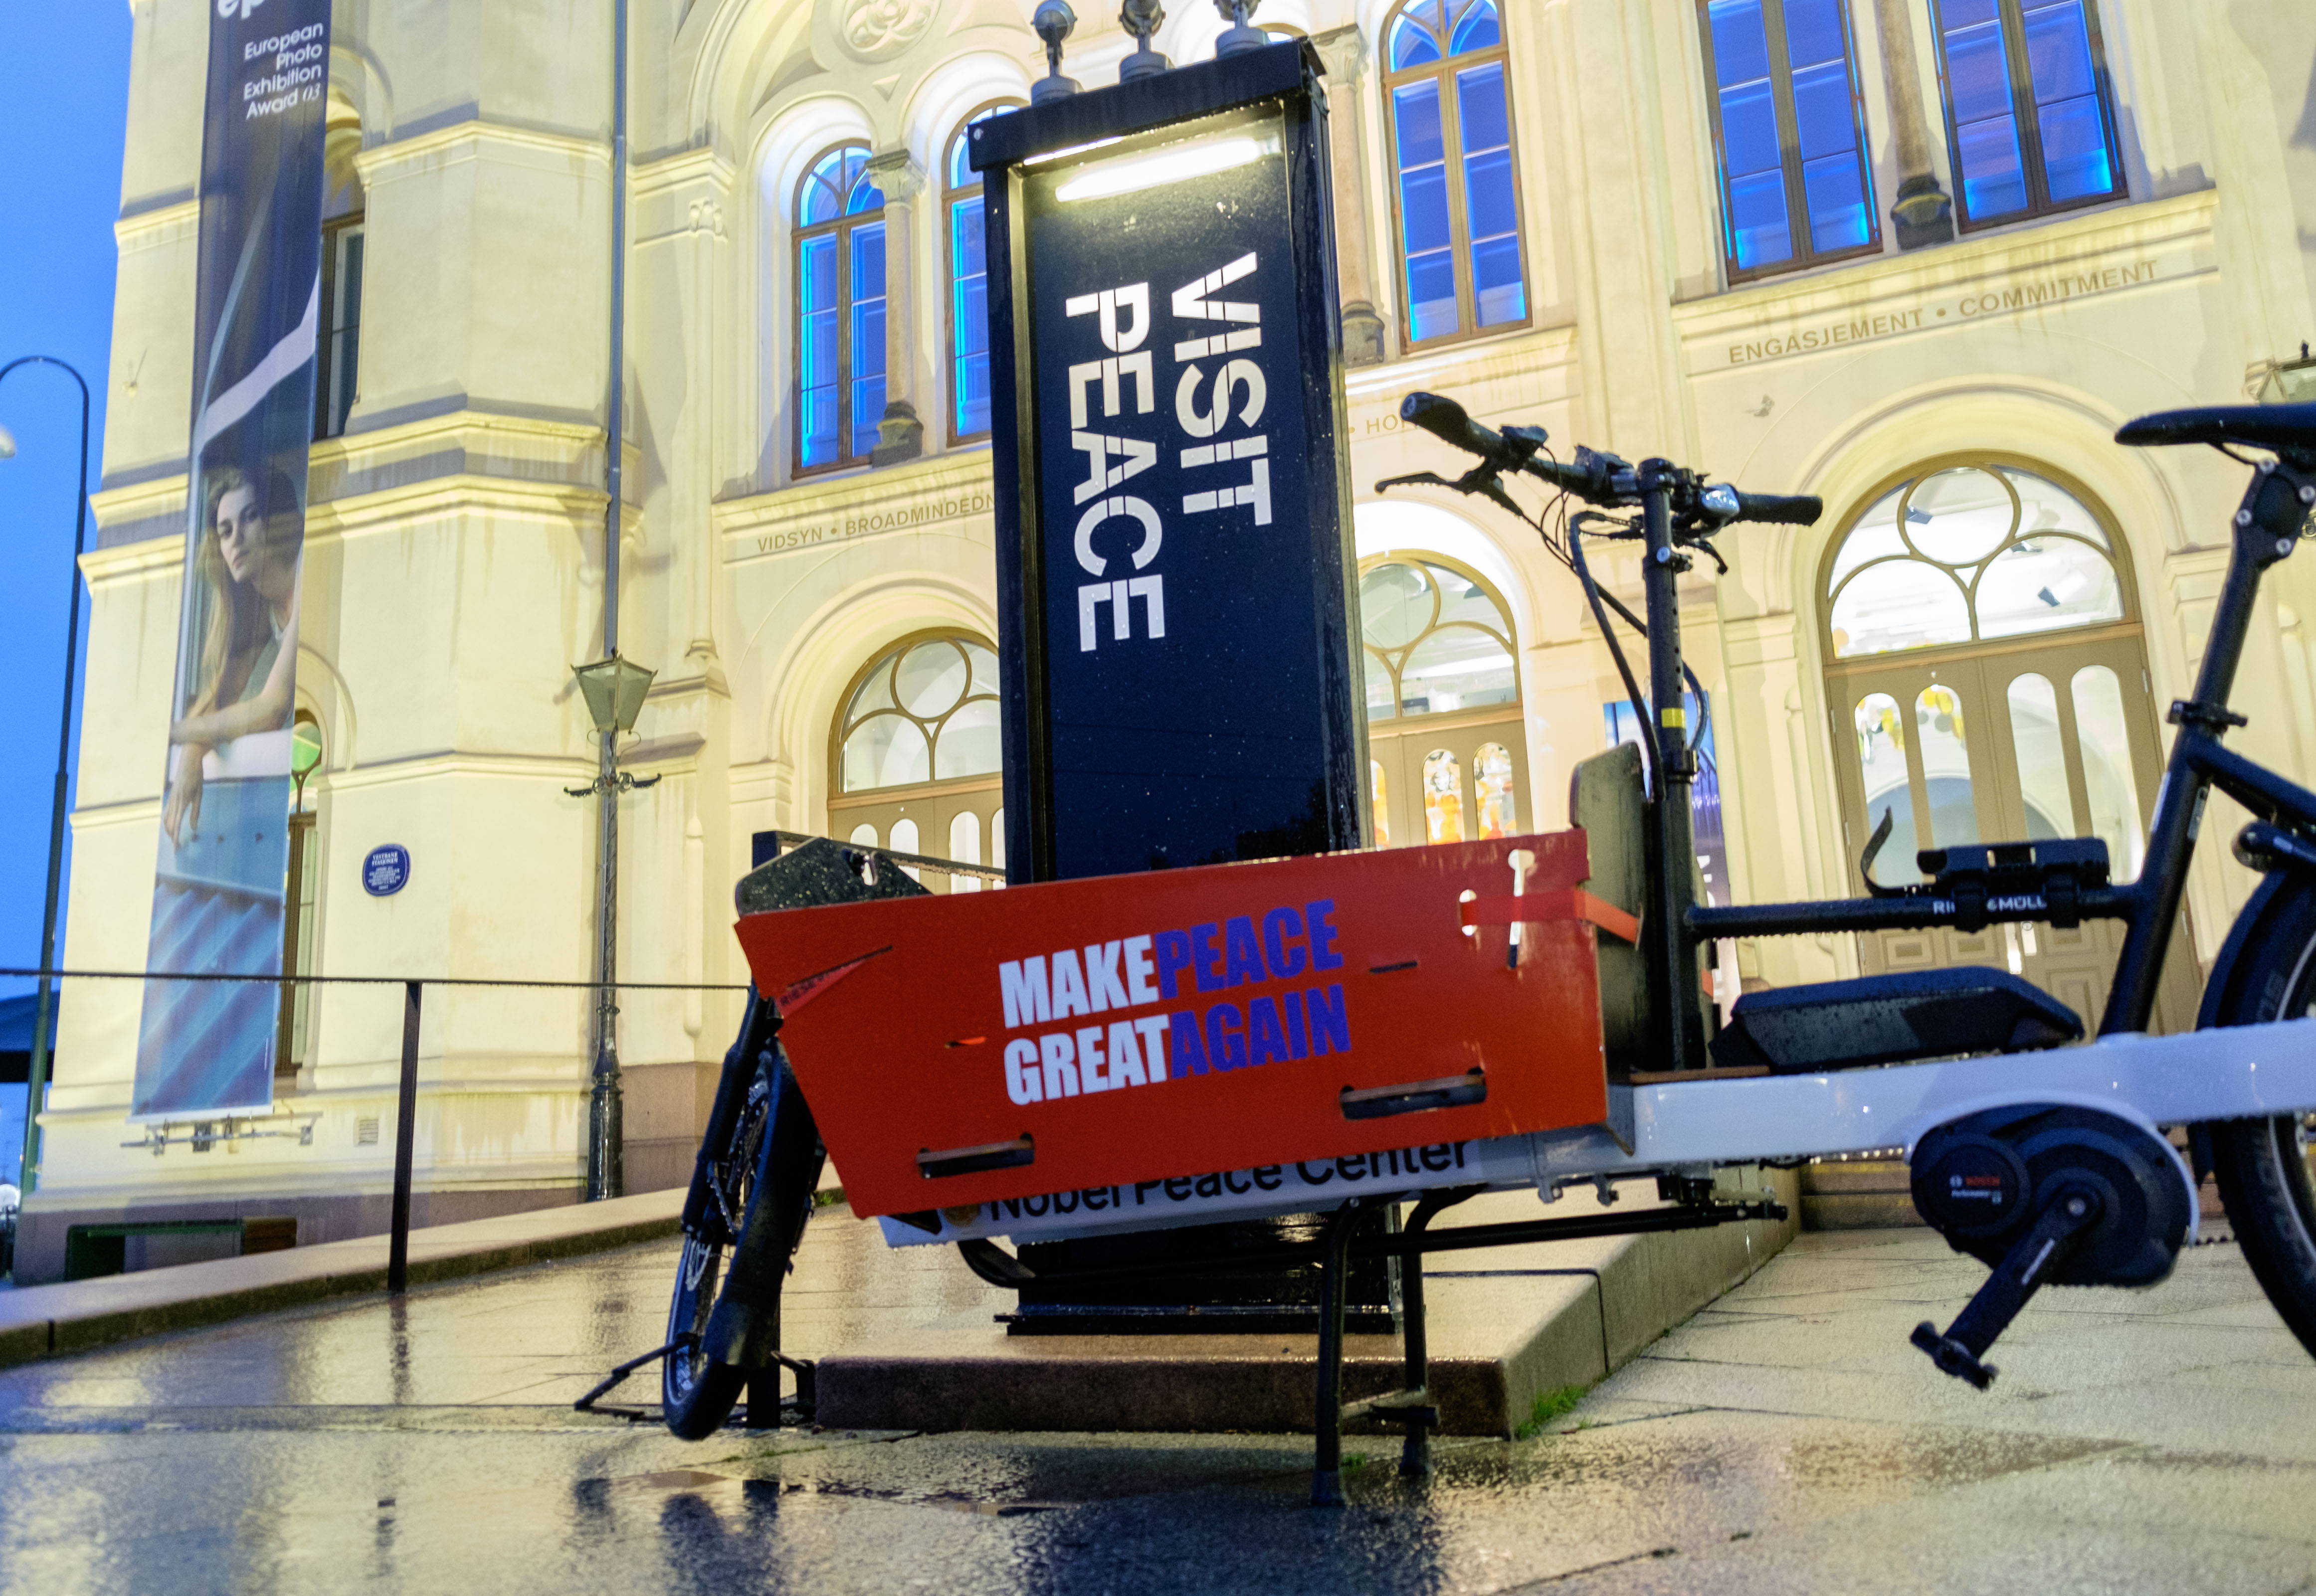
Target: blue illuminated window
(1457,188)
(968,287)
(840,263)
(2026,107)
(1795,189)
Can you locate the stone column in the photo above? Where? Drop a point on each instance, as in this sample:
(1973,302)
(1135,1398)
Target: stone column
(1345,54)
(901,434)
(1923,211)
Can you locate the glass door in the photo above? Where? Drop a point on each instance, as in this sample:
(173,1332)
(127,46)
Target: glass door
(2027,744)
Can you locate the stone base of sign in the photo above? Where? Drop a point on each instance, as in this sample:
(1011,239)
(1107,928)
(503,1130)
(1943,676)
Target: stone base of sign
(1509,1325)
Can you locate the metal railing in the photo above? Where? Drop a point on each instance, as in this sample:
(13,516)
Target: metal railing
(398,1269)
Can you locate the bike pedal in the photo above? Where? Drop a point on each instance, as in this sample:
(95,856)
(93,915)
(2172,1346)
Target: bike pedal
(1952,1357)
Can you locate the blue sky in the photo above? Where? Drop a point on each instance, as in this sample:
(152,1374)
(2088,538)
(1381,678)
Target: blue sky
(63,97)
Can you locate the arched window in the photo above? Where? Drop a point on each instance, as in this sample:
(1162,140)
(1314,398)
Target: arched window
(1969,551)
(1988,683)
(1447,758)
(915,759)
(840,295)
(1457,196)
(968,286)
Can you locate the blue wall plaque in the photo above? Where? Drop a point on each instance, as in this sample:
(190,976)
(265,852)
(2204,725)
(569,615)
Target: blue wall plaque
(1175,574)
(386,870)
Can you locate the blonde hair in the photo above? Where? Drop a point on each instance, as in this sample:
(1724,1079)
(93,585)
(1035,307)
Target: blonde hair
(237,622)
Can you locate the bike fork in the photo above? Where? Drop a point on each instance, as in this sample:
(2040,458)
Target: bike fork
(744,1328)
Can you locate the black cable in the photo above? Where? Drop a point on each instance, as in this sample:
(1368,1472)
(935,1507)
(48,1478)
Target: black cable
(1624,668)
(1569,551)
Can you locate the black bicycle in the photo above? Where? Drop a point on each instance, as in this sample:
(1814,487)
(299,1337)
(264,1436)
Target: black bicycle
(2265,971)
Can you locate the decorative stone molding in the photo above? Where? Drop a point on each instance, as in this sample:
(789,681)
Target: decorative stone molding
(879,29)
(1344,50)
(897,175)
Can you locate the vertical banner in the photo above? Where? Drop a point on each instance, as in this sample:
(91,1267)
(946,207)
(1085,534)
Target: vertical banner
(207,1047)
(1173,550)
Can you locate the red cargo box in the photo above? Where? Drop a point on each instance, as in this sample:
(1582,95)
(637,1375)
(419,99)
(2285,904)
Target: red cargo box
(985,1045)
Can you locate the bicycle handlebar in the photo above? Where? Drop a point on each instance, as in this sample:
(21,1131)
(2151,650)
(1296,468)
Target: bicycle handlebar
(1445,419)
(1591,478)
(1798,510)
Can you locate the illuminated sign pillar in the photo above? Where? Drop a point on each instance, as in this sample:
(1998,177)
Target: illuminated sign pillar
(1175,561)
(1176,631)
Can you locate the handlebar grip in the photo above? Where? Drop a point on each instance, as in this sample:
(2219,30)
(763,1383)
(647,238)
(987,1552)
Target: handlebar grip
(1800,509)
(1445,419)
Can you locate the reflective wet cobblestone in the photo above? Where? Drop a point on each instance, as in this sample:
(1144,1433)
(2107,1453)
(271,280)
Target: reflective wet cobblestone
(1787,1439)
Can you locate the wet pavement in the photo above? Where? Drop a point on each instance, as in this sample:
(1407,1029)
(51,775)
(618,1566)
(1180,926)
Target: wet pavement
(1785,1440)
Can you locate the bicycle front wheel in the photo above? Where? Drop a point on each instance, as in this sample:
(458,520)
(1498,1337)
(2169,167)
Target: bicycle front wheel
(698,1392)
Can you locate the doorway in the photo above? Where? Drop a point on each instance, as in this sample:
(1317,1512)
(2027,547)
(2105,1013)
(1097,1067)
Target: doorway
(1987,682)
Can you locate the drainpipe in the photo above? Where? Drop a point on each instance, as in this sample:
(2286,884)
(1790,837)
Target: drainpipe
(606,1177)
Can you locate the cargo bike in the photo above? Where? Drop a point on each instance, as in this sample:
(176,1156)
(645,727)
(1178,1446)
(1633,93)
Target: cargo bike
(1347,1032)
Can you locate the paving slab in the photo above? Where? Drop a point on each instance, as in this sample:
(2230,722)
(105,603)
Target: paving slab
(43,1321)
(1508,1326)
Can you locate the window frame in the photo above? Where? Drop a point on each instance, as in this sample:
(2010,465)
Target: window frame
(2118,553)
(1454,729)
(1805,256)
(1459,230)
(884,658)
(327,350)
(1509,637)
(2021,80)
(950,197)
(851,453)
(924,801)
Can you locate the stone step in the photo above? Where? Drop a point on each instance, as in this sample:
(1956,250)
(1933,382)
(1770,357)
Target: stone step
(1509,1327)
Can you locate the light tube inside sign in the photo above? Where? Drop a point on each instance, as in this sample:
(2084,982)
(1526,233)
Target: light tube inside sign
(1127,174)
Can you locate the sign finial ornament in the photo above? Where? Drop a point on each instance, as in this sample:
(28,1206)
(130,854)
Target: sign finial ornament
(1239,37)
(1054,21)
(1142,18)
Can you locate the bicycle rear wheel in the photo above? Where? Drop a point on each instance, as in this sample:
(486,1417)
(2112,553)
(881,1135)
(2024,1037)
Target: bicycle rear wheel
(2263,1165)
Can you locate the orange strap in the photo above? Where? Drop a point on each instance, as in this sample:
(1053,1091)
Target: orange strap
(1537,907)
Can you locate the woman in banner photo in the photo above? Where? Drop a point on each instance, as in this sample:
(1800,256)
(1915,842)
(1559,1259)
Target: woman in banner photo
(247,561)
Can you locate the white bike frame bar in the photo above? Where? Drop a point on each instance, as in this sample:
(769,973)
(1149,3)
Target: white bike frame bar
(2239,1072)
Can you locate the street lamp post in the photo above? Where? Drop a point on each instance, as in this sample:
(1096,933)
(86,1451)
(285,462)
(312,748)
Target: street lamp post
(611,686)
(37,1076)
(613,689)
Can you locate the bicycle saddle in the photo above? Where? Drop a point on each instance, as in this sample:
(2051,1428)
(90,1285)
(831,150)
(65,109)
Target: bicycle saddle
(2283,428)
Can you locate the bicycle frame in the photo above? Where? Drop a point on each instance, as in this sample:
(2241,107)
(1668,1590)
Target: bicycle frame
(2267,529)
(1686,1125)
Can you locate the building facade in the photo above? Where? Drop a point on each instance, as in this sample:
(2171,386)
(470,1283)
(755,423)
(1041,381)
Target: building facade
(1920,257)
